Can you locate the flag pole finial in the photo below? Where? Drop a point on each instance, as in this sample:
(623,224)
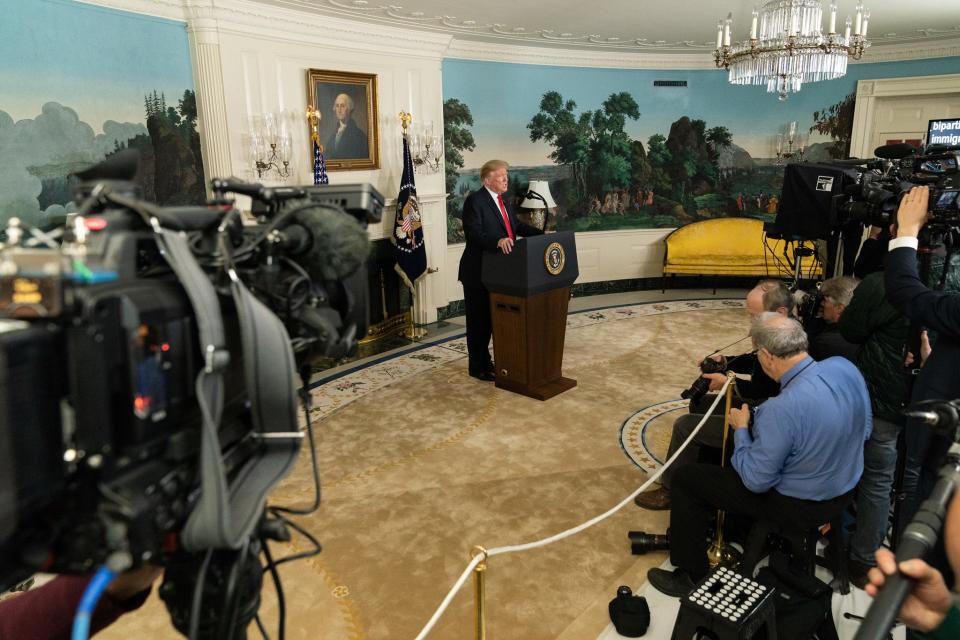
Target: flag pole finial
(313,117)
(405,120)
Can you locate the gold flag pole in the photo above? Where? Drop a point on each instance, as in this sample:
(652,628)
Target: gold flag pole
(479,596)
(722,553)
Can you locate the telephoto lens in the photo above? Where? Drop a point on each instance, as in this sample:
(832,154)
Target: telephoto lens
(642,542)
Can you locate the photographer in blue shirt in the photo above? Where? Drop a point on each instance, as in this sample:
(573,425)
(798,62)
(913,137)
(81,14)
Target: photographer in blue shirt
(796,465)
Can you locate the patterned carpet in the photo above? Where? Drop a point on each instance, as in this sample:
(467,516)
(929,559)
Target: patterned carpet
(420,462)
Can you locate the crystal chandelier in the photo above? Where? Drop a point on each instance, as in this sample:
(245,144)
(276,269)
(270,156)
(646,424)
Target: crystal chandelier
(790,48)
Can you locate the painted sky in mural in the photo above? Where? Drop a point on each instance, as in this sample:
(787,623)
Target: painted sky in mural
(81,75)
(752,115)
(633,155)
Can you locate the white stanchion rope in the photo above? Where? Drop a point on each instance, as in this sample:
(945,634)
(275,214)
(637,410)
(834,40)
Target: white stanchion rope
(569,532)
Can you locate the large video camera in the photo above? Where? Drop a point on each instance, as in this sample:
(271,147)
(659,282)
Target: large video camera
(897,169)
(148,361)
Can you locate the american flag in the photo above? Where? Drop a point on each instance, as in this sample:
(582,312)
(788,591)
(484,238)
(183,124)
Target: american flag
(319,165)
(408,235)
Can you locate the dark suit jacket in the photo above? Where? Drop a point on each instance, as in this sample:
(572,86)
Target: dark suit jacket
(937,311)
(353,143)
(483,227)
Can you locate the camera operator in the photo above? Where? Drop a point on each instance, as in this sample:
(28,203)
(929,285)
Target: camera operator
(881,331)
(787,466)
(767,295)
(929,607)
(47,612)
(828,342)
(940,376)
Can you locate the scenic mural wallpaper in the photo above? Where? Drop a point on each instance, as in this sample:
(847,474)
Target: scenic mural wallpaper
(621,153)
(88,82)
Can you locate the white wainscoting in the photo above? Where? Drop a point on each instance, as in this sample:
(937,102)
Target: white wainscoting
(601,255)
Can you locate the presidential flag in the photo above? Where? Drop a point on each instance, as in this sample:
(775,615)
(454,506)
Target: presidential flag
(408,230)
(319,164)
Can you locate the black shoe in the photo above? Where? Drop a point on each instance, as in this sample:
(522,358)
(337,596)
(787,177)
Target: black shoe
(857,573)
(674,583)
(486,376)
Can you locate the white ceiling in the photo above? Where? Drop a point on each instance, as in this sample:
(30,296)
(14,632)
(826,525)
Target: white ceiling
(631,25)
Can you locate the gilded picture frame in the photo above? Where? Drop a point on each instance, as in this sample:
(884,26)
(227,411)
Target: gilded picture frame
(349,123)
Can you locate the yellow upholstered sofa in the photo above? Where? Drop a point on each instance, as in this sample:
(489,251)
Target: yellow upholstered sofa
(731,247)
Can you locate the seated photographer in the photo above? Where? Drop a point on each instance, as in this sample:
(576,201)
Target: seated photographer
(881,331)
(767,295)
(787,466)
(828,342)
(938,311)
(929,607)
(47,612)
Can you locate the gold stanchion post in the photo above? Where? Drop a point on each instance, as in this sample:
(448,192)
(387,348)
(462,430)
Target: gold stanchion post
(722,553)
(479,601)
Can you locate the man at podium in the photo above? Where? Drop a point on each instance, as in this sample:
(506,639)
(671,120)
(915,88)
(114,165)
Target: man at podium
(489,225)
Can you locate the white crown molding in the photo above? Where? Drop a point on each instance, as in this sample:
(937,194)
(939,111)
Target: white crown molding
(246,17)
(521,54)
(170,9)
(913,51)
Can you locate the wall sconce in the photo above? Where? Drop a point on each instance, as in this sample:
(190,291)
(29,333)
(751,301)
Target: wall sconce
(539,200)
(270,145)
(789,144)
(426,148)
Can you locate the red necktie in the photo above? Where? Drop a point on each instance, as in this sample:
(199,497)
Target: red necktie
(506,218)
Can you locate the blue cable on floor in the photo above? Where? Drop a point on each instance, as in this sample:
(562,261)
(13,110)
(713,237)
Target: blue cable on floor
(88,603)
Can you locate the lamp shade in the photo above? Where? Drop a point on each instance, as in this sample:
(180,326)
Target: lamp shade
(543,189)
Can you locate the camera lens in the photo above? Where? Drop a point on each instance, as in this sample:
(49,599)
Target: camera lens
(642,542)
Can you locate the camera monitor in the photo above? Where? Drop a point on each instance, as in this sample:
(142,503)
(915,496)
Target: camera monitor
(944,131)
(806,201)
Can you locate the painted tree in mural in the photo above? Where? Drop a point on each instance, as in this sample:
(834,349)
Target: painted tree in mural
(567,134)
(171,165)
(594,140)
(836,121)
(456,138)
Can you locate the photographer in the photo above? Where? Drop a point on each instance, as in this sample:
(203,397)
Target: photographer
(786,464)
(47,612)
(829,341)
(935,310)
(881,331)
(929,607)
(767,295)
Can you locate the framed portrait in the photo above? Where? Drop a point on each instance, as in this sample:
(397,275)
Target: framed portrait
(348,118)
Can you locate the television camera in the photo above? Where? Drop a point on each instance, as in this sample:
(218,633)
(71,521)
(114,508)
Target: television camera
(874,198)
(148,361)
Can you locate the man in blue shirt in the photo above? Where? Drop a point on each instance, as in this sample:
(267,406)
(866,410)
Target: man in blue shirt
(796,465)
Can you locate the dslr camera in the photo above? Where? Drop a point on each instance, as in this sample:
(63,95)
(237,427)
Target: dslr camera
(148,376)
(701,385)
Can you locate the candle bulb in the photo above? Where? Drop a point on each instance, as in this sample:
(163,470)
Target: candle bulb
(866,22)
(753,24)
(846,32)
(859,19)
(793,129)
(726,29)
(833,17)
(719,34)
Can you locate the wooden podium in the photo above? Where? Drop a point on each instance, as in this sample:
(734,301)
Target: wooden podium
(529,292)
